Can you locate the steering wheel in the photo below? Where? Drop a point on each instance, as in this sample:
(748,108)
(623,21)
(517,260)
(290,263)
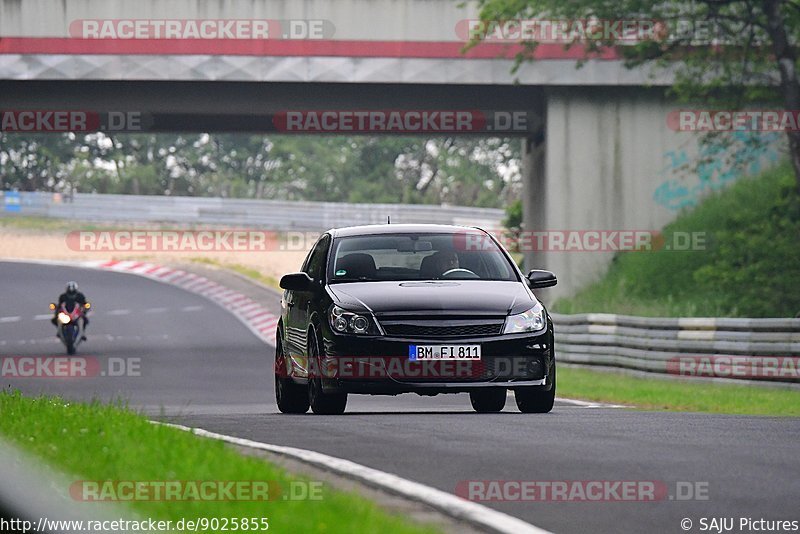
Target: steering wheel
(460,271)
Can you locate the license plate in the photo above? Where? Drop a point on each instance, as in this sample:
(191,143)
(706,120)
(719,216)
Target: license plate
(444,352)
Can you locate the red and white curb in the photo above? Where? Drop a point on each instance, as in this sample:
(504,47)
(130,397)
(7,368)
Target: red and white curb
(253,315)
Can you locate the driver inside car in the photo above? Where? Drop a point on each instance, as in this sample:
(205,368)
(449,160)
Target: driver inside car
(446,260)
(435,265)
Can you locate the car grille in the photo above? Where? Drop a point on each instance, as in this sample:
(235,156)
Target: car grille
(416,330)
(441,327)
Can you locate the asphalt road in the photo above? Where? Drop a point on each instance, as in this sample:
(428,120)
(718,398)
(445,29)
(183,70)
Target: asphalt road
(199,366)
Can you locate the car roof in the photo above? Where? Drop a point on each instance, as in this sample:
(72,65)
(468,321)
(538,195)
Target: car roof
(372,229)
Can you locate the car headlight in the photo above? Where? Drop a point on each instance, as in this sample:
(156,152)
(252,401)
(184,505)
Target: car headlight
(345,322)
(63,318)
(532,320)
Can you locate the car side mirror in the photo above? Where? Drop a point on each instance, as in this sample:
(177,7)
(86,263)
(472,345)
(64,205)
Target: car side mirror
(296,282)
(538,279)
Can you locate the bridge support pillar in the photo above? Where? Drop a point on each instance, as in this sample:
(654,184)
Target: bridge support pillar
(533,197)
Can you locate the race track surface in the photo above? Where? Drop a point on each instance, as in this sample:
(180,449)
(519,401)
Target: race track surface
(200,366)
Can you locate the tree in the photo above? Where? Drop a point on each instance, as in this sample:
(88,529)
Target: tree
(455,170)
(36,162)
(727,53)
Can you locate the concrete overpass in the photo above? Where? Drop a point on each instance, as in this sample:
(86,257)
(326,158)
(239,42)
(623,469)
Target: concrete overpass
(597,150)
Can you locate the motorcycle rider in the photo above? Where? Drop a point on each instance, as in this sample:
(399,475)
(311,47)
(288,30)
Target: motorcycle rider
(72,297)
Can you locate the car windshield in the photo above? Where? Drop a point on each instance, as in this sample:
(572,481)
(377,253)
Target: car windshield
(418,256)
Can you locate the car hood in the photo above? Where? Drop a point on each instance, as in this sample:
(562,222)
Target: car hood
(462,296)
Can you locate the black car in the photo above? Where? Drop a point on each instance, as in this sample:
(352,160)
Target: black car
(428,309)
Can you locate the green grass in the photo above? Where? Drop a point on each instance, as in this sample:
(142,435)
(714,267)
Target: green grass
(52,225)
(674,395)
(43,224)
(249,272)
(101,442)
(750,266)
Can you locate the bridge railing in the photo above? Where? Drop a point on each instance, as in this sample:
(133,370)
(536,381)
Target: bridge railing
(743,349)
(270,214)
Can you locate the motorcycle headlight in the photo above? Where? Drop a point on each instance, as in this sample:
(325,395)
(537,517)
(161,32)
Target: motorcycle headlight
(345,322)
(532,320)
(63,318)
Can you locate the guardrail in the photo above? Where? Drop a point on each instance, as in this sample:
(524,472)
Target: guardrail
(743,349)
(270,214)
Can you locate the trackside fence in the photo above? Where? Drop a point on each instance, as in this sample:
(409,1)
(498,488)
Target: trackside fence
(269,214)
(743,349)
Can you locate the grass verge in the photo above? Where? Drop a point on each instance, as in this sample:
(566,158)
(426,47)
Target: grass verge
(746,262)
(675,395)
(45,224)
(249,272)
(100,442)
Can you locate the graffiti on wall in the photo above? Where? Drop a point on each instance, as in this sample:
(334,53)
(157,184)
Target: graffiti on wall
(688,178)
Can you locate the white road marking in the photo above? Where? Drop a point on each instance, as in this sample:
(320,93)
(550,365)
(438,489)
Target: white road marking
(155,310)
(580,403)
(587,404)
(13,319)
(191,308)
(36,341)
(448,503)
(42,316)
(119,312)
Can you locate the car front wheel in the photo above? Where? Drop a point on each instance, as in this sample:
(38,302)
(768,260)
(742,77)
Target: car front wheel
(323,403)
(488,400)
(290,397)
(537,399)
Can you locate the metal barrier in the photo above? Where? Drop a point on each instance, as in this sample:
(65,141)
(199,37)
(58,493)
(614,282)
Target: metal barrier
(745,349)
(270,214)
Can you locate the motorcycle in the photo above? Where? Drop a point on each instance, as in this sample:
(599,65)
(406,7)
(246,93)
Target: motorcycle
(69,323)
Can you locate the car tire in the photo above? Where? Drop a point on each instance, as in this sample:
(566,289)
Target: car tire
(536,399)
(323,403)
(489,400)
(290,397)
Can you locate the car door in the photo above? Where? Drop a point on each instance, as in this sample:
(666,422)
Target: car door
(300,302)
